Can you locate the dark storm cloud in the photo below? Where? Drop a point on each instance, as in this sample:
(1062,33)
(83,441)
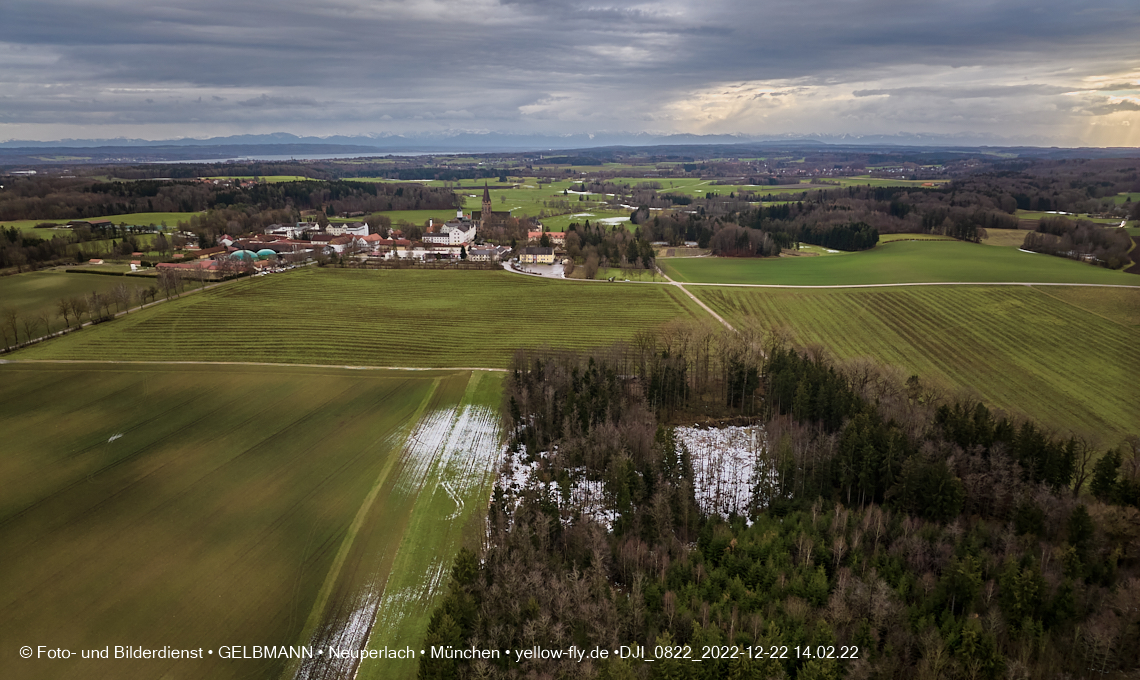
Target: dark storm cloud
(544,65)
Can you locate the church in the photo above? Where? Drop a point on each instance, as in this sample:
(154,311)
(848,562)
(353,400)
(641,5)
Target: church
(487,216)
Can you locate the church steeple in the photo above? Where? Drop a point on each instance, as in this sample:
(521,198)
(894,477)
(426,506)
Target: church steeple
(486,216)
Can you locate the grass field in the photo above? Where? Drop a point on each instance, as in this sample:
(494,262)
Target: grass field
(1037,215)
(1065,356)
(888,238)
(900,262)
(377,318)
(417,217)
(888,182)
(36,293)
(1011,238)
(561,222)
(268,179)
(230,505)
(171,220)
(619,274)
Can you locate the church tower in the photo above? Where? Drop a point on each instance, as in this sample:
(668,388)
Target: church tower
(486,216)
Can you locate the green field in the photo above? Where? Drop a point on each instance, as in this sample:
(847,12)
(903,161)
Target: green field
(36,293)
(1037,215)
(416,217)
(377,318)
(604,273)
(1010,238)
(171,220)
(231,505)
(900,262)
(29,226)
(888,238)
(866,180)
(581,216)
(268,179)
(1064,356)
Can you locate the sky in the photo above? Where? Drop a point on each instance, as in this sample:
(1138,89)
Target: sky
(1042,72)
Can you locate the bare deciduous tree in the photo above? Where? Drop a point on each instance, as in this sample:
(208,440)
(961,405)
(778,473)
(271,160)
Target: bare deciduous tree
(63,309)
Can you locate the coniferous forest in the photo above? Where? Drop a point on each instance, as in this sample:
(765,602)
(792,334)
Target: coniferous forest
(893,531)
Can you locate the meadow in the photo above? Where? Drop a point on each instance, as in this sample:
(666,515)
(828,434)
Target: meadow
(1064,356)
(231,505)
(268,179)
(897,262)
(1037,215)
(378,318)
(170,219)
(1010,238)
(888,238)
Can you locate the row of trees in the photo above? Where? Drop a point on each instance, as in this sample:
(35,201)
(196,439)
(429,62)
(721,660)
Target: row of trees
(95,306)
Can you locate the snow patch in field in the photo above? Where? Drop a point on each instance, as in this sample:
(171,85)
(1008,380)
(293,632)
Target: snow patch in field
(114,437)
(582,215)
(450,451)
(613,220)
(724,465)
(352,633)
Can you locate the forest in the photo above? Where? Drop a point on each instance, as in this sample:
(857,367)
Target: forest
(55,198)
(1080,240)
(598,246)
(894,531)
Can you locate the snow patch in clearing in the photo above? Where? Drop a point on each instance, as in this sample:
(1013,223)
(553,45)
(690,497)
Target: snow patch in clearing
(613,220)
(725,466)
(585,497)
(582,215)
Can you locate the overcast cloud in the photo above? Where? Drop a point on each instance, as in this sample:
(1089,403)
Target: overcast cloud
(1049,70)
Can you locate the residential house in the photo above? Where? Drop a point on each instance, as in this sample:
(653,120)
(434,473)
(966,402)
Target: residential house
(536,255)
(488,254)
(557,238)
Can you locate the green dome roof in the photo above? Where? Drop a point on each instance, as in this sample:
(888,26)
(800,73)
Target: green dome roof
(266,253)
(244,255)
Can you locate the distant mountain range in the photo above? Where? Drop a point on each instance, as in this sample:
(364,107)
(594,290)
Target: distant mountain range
(498,141)
(15,154)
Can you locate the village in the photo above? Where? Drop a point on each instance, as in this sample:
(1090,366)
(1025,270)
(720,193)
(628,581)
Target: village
(454,241)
